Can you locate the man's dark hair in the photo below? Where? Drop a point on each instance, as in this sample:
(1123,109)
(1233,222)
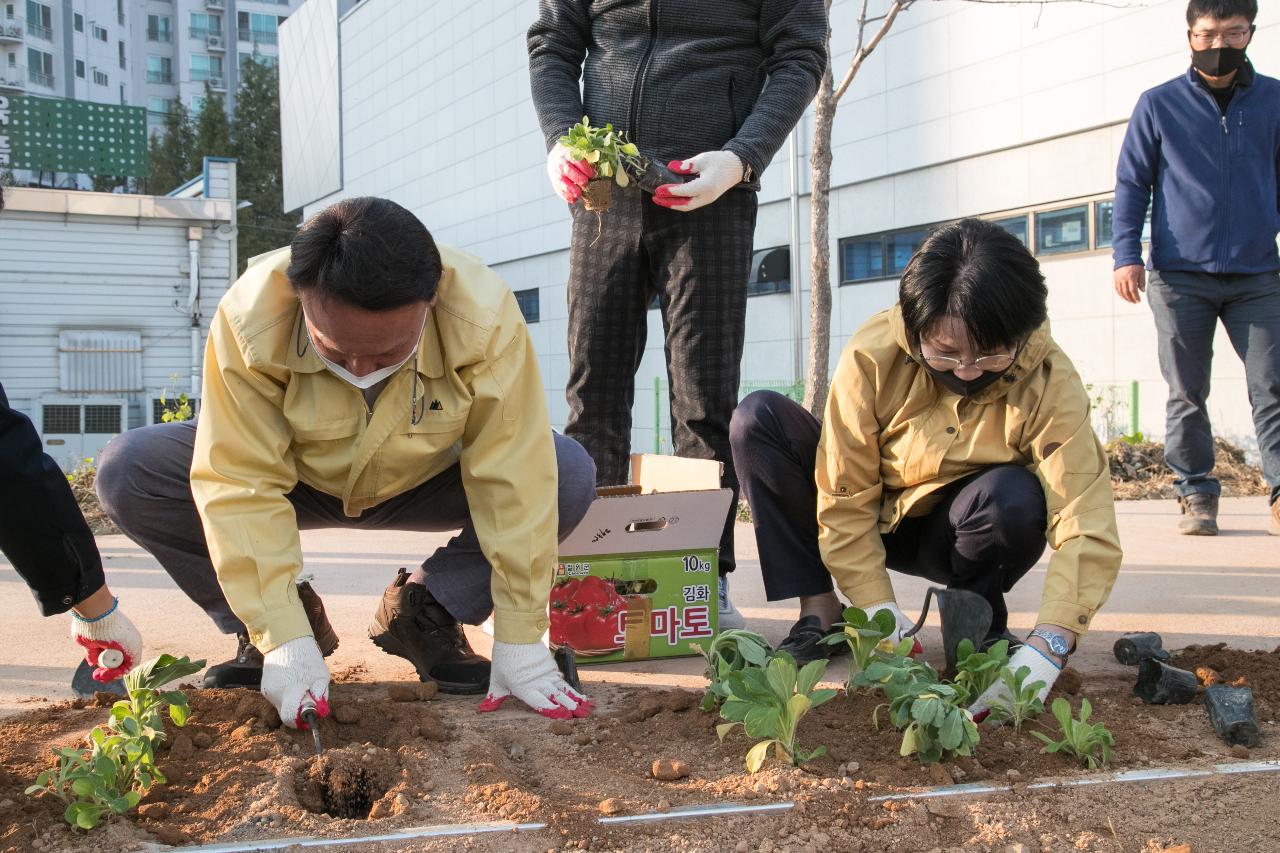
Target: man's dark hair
(368,252)
(979,272)
(1221,9)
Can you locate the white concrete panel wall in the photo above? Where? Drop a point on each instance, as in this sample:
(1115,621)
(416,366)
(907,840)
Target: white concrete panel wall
(966,109)
(310,119)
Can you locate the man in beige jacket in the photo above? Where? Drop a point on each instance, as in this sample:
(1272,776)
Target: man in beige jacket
(364,378)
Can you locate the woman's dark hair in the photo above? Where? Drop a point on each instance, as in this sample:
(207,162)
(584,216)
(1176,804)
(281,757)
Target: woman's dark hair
(368,252)
(1221,9)
(979,272)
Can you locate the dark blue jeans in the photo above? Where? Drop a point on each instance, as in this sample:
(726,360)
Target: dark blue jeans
(1187,307)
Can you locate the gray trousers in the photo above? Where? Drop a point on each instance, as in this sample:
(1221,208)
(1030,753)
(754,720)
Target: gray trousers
(1187,307)
(144,485)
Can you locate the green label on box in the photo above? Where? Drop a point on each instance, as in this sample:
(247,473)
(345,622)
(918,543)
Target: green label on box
(634,607)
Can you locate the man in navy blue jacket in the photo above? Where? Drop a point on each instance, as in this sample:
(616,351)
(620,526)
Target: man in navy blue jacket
(1204,151)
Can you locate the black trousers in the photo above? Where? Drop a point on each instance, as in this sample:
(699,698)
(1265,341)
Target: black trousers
(984,535)
(697,263)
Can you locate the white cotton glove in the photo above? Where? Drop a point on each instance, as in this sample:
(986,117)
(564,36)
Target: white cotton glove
(904,625)
(717,171)
(528,672)
(294,678)
(1042,669)
(112,644)
(567,176)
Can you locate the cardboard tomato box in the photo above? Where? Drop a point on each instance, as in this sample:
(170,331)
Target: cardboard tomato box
(636,579)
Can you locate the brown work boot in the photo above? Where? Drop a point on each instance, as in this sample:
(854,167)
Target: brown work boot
(1274,528)
(245,669)
(1199,514)
(411,624)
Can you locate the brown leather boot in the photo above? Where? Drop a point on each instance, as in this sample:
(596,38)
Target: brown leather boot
(326,637)
(1274,528)
(1199,515)
(411,624)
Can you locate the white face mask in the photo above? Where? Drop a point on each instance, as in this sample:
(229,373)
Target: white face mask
(367,381)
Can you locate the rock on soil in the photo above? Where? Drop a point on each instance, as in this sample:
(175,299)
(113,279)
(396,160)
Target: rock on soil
(669,770)
(182,748)
(610,807)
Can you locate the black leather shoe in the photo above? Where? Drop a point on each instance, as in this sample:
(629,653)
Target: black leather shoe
(411,624)
(243,670)
(805,642)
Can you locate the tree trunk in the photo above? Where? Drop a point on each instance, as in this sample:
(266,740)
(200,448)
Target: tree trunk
(815,385)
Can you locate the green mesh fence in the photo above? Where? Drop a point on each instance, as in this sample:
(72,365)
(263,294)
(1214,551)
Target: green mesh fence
(81,137)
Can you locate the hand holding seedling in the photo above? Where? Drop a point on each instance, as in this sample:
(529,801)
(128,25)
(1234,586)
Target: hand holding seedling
(1039,669)
(295,678)
(717,171)
(568,176)
(528,672)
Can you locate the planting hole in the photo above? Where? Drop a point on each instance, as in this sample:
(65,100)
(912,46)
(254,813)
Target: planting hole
(344,784)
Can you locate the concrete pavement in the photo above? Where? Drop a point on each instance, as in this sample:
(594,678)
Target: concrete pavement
(1190,589)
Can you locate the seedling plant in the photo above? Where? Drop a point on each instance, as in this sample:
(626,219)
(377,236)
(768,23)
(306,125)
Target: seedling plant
(976,671)
(769,704)
(608,152)
(729,652)
(118,767)
(934,722)
(864,634)
(1023,700)
(1089,743)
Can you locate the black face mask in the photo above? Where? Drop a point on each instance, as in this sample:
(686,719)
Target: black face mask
(965,388)
(1218,61)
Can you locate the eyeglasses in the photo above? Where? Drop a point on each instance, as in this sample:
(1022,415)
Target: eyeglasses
(987,363)
(1233,38)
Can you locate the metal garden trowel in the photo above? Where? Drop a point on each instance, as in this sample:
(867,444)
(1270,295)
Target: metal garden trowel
(964,614)
(84,685)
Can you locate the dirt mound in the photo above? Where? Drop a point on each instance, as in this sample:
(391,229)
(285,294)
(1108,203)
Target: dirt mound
(1138,471)
(239,775)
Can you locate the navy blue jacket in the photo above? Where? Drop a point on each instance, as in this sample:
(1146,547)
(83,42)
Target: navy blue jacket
(1216,205)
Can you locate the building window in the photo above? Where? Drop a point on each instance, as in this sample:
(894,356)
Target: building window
(159,69)
(257,28)
(862,258)
(158,108)
(1104,223)
(205,67)
(529,305)
(80,68)
(770,271)
(197,105)
(122,57)
(159,28)
(100,78)
(77,21)
(1015,225)
(902,245)
(39,20)
(100,33)
(40,67)
(1065,230)
(261,59)
(203,26)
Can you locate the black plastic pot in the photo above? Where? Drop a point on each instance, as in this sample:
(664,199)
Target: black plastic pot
(1132,649)
(1231,712)
(1161,684)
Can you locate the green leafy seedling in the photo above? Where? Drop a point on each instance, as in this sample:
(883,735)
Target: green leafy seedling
(1023,700)
(729,652)
(769,704)
(1090,743)
(604,148)
(934,722)
(118,767)
(975,670)
(864,634)
(893,672)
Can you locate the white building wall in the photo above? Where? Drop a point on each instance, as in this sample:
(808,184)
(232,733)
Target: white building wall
(965,109)
(71,260)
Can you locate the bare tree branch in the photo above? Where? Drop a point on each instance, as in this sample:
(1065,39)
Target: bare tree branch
(864,51)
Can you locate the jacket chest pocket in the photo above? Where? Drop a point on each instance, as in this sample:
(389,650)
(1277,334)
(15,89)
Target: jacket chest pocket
(331,430)
(437,428)
(1253,138)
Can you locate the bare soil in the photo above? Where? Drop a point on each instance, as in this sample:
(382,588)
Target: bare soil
(237,775)
(1138,471)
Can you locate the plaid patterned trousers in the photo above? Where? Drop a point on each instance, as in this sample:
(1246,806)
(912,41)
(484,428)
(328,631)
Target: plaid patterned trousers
(697,263)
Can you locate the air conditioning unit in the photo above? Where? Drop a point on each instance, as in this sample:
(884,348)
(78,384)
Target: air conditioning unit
(76,428)
(159,404)
(217,83)
(216,43)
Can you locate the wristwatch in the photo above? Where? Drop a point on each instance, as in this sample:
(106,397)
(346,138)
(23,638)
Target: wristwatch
(1057,643)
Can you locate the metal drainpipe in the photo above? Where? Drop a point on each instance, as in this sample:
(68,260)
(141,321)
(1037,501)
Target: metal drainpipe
(193,306)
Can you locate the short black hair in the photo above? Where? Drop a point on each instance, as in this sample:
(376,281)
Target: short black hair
(1221,9)
(368,252)
(979,272)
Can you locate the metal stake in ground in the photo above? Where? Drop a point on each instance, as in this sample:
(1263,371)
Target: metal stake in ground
(311,717)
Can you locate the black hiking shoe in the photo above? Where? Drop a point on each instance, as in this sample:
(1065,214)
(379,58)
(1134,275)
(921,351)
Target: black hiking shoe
(411,624)
(994,637)
(245,669)
(805,642)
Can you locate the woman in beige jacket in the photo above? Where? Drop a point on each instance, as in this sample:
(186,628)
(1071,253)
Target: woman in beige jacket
(956,442)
